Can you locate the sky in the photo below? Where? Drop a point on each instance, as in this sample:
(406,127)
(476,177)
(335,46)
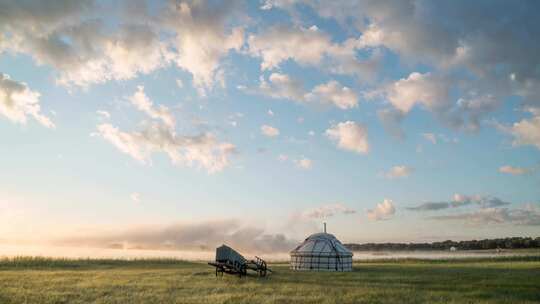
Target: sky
(185,124)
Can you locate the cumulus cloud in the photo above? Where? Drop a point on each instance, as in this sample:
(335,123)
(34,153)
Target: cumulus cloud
(269,131)
(461,200)
(425,89)
(432,92)
(204,35)
(514,170)
(472,108)
(310,46)
(78,47)
(206,235)
(282,86)
(349,136)
(76,39)
(327,211)
(456,37)
(306,46)
(333,93)
(304,163)
(382,211)
(18,102)
(398,172)
(525,131)
(528,215)
(203,150)
(498,59)
(144,104)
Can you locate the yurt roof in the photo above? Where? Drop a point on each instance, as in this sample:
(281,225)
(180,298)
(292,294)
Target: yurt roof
(321,244)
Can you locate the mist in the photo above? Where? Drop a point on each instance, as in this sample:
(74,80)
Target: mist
(202,236)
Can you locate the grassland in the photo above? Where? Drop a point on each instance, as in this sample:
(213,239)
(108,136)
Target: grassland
(38,280)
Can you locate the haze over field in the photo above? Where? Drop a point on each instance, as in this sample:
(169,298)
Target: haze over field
(168,125)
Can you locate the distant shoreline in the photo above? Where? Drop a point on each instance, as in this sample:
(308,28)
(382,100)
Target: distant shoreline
(80,253)
(484,244)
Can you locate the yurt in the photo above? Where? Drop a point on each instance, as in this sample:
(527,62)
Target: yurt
(321,252)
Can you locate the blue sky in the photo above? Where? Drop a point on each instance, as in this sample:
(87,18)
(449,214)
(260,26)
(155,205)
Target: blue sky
(391,121)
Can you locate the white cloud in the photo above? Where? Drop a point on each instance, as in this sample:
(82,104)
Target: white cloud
(76,39)
(144,104)
(426,89)
(461,200)
(473,107)
(270,112)
(514,170)
(496,64)
(103,114)
(203,150)
(525,132)
(433,92)
(455,38)
(332,93)
(304,163)
(310,46)
(350,136)
(382,211)
(306,46)
(281,86)
(81,52)
(18,102)
(135,196)
(327,211)
(527,215)
(398,172)
(269,131)
(203,38)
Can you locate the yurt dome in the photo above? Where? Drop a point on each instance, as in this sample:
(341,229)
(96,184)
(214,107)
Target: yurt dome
(321,252)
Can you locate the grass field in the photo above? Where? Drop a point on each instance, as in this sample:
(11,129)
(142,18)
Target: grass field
(38,280)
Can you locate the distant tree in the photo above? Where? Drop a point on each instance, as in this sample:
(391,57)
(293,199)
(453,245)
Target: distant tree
(506,243)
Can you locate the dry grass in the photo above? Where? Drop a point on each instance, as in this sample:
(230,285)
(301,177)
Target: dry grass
(38,280)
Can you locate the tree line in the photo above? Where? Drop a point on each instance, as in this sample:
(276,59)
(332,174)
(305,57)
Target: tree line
(501,243)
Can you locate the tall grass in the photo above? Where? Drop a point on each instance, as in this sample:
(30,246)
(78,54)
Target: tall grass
(490,280)
(48,262)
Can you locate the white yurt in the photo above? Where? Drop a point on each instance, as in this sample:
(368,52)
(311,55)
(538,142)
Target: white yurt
(321,252)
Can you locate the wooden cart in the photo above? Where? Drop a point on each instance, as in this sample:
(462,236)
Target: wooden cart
(230,261)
